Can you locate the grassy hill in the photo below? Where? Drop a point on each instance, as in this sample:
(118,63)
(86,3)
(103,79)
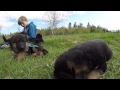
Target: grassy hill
(42,68)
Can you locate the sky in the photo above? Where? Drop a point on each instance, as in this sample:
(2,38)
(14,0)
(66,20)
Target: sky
(107,19)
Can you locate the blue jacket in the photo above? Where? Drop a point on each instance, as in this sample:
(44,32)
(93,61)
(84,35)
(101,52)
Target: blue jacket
(31,30)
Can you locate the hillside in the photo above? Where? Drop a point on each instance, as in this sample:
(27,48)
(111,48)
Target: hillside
(42,68)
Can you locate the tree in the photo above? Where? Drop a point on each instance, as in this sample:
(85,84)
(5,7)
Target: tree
(88,25)
(80,25)
(92,28)
(69,25)
(53,18)
(75,25)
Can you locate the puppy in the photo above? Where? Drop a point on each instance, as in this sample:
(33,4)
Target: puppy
(17,44)
(37,40)
(37,51)
(85,61)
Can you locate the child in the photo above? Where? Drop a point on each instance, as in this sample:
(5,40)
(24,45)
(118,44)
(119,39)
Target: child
(29,29)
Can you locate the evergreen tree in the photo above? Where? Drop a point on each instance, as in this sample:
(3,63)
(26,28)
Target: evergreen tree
(80,25)
(88,25)
(69,25)
(75,25)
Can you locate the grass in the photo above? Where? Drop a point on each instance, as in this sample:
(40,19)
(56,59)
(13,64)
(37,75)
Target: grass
(42,68)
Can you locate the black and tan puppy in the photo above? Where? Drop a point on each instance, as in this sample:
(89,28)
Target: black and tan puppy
(37,51)
(37,40)
(17,44)
(85,61)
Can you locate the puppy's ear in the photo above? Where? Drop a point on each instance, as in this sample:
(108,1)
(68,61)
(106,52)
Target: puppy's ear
(39,35)
(4,38)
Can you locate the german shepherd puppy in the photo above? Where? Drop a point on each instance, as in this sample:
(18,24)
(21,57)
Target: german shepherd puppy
(37,51)
(17,44)
(37,40)
(85,61)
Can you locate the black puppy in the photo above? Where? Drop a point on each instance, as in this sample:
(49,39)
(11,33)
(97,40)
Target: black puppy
(37,40)
(17,44)
(37,51)
(85,61)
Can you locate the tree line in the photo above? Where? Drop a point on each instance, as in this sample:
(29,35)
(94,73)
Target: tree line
(73,29)
(54,18)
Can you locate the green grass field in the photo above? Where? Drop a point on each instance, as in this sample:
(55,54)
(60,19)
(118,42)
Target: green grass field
(42,68)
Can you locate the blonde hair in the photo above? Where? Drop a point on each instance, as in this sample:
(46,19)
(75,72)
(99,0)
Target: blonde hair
(22,18)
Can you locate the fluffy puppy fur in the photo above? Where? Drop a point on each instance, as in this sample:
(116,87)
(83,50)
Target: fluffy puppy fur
(37,51)
(17,44)
(85,61)
(37,40)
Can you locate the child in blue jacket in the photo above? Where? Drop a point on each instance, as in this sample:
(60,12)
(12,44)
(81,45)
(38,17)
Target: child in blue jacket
(29,29)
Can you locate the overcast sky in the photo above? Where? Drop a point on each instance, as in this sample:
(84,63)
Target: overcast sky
(106,19)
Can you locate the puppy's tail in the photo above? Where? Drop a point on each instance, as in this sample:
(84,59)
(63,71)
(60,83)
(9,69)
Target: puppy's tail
(4,38)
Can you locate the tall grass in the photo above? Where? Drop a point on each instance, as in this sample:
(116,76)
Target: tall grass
(43,67)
